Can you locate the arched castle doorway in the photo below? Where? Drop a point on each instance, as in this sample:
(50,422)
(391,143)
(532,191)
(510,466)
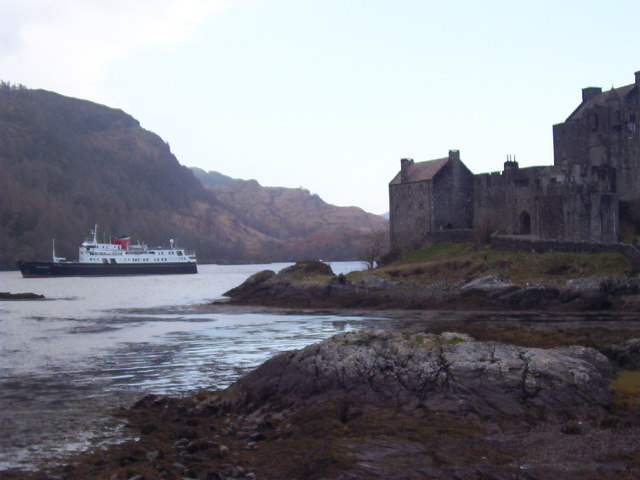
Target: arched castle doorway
(525,224)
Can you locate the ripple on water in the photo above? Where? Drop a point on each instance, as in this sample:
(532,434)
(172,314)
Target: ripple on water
(98,343)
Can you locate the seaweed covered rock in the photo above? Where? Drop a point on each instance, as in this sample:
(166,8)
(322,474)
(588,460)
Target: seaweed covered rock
(420,374)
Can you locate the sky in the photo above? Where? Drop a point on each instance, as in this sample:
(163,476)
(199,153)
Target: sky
(329,95)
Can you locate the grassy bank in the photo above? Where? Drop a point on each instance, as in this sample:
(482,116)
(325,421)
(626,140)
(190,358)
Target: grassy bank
(453,262)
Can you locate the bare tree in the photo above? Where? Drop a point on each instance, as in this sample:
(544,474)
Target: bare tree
(485,227)
(374,246)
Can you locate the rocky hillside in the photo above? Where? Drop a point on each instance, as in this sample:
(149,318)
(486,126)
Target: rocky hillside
(68,164)
(295,216)
(212,179)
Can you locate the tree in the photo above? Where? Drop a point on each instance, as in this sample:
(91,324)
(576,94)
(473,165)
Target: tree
(373,248)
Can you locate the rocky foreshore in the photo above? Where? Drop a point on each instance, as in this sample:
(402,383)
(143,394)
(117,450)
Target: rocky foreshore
(458,399)
(377,405)
(20,296)
(313,284)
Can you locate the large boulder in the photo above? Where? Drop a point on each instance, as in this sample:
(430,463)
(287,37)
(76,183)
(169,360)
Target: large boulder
(301,284)
(251,284)
(429,373)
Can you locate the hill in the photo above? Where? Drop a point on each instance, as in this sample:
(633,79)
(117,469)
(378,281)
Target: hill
(295,216)
(212,179)
(68,164)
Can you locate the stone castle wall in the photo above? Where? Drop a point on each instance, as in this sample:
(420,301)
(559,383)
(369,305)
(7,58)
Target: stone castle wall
(443,202)
(410,214)
(452,199)
(520,244)
(604,130)
(505,201)
(596,165)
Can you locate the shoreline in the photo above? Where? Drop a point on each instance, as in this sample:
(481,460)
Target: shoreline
(176,434)
(206,434)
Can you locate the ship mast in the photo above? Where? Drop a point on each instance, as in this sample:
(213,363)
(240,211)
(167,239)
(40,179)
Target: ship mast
(53,252)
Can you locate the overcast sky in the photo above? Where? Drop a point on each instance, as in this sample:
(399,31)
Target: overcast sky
(329,94)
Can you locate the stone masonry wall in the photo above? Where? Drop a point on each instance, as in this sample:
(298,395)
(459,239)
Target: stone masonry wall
(453,197)
(519,244)
(604,130)
(410,214)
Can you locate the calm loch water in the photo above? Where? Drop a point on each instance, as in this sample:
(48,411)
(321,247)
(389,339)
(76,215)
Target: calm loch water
(98,343)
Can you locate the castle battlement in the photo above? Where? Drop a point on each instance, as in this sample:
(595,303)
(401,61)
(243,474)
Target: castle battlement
(596,166)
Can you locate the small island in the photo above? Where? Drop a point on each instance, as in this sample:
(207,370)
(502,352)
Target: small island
(457,276)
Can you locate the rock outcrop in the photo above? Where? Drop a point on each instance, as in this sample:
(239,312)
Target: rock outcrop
(305,283)
(313,284)
(20,296)
(425,374)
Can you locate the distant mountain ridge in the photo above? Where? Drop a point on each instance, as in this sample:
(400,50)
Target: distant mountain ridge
(297,216)
(212,179)
(67,164)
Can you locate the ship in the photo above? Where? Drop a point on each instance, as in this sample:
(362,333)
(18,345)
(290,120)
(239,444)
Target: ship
(119,257)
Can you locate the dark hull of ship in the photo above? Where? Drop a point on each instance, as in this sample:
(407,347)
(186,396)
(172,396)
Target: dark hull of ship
(74,269)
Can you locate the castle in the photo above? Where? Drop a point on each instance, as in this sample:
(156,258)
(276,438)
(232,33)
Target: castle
(596,169)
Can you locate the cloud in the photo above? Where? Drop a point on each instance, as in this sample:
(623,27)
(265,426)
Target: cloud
(67,45)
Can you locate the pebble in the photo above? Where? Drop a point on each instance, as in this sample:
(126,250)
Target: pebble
(256,437)
(183,442)
(153,455)
(179,466)
(223,451)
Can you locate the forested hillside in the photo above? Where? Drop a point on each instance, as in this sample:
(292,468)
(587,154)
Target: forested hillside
(67,164)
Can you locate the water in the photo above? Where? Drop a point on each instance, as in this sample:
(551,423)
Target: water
(99,343)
